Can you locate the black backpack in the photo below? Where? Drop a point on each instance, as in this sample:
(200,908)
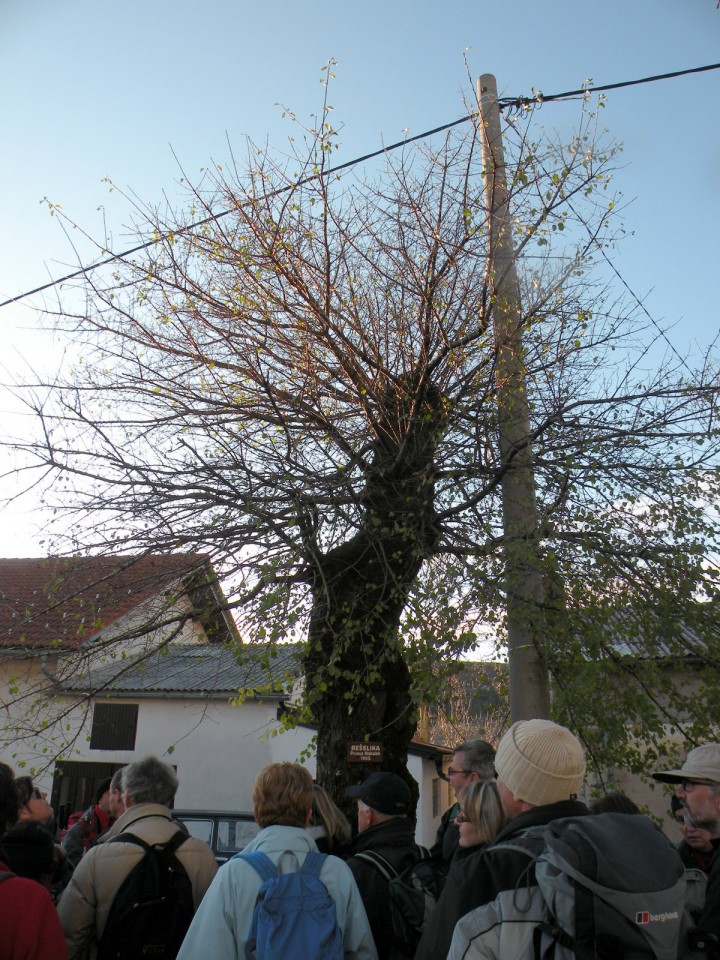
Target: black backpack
(153,907)
(413,893)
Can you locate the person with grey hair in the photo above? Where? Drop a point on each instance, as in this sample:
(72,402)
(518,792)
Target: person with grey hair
(472,760)
(697,786)
(149,787)
(149,781)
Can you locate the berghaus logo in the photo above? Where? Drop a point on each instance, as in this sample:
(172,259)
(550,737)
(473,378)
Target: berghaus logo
(644,916)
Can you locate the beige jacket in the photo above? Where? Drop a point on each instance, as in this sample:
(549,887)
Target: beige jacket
(86,901)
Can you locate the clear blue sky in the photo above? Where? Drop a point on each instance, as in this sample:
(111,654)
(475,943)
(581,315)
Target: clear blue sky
(93,90)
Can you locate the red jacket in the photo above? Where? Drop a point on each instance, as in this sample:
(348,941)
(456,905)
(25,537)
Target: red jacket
(29,924)
(83,831)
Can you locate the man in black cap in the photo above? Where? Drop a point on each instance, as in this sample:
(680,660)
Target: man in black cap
(384,847)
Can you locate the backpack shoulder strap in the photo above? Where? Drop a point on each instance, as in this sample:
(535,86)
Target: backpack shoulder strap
(131,838)
(313,864)
(379,862)
(260,862)
(171,845)
(175,842)
(423,852)
(524,842)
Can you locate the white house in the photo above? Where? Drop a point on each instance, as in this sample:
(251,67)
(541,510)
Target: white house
(85,689)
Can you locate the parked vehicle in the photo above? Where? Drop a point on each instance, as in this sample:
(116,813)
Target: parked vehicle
(225,832)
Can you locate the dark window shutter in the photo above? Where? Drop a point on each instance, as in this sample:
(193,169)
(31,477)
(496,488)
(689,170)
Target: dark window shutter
(114,726)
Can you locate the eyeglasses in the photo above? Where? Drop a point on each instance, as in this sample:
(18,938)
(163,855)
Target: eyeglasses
(458,773)
(689,785)
(462,818)
(26,790)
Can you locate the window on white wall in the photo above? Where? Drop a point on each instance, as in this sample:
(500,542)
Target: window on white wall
(436,797)
(114,726)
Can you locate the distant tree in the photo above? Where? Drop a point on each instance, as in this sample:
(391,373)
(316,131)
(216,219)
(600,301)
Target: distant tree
(473,703)
(304,388)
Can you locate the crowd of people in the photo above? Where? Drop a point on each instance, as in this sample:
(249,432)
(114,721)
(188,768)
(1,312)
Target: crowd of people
(60,901)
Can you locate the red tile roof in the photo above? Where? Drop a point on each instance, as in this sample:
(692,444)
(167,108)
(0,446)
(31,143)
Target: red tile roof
(61,602)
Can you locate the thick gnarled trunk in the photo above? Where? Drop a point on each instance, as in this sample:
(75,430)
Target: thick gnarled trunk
(359,592)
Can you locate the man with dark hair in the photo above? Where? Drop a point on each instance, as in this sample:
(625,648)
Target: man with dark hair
(540,770)
(29,926)
(282,804)
(472,760)
(149,787)
(698,789)
(386,839)
(84,833)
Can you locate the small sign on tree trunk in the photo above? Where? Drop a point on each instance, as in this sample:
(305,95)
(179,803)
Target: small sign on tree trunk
(363,751)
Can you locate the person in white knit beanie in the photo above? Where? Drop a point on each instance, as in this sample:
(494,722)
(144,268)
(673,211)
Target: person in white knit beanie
(538,762)
(540,767)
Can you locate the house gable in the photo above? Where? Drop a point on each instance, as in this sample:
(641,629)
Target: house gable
(63,603)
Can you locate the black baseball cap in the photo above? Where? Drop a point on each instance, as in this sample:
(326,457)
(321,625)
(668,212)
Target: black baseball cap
(384,792)
(105,785)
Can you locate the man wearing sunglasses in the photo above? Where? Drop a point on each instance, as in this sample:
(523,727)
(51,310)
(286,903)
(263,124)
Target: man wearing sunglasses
(697,786)
(472,760)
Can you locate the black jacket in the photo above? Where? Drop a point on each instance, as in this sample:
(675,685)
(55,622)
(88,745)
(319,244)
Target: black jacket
(448,835)
(395,841)
(480,877)
(462,854)
(695,859)
(709,920)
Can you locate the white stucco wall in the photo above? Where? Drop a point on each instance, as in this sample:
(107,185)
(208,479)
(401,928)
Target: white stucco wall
(425,773)
(216,748)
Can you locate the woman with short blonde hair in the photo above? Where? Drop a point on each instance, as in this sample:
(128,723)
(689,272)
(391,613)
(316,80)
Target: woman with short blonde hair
(481,815)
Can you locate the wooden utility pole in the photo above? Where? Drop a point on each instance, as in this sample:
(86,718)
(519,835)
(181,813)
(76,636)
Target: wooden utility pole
(529,688)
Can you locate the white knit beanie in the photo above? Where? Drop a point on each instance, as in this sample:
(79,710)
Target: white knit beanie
(541,762)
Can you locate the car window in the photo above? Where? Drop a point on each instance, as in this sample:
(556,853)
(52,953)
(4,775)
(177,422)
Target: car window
(200,828)
(233,835)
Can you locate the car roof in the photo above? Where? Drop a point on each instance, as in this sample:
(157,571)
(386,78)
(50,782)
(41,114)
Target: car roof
(213,813)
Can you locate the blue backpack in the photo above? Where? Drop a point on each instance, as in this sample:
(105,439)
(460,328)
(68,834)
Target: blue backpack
(294,915)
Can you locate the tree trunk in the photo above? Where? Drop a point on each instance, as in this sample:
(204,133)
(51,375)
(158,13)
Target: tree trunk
(359,593)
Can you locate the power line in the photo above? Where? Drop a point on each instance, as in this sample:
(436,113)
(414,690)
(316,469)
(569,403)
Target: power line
(503,104)
(541,98)
(224,213)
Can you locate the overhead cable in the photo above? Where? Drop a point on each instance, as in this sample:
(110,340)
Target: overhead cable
(504,103)
(542,98)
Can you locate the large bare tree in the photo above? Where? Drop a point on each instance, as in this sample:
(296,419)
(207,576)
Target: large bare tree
(304,387)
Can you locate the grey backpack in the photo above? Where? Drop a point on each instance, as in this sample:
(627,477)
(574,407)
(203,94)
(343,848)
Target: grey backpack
(605,887)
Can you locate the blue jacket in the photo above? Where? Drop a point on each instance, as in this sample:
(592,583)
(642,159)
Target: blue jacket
(222,922)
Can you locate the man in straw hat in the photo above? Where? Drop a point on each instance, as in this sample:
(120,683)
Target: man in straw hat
(540,768)
(697,786)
